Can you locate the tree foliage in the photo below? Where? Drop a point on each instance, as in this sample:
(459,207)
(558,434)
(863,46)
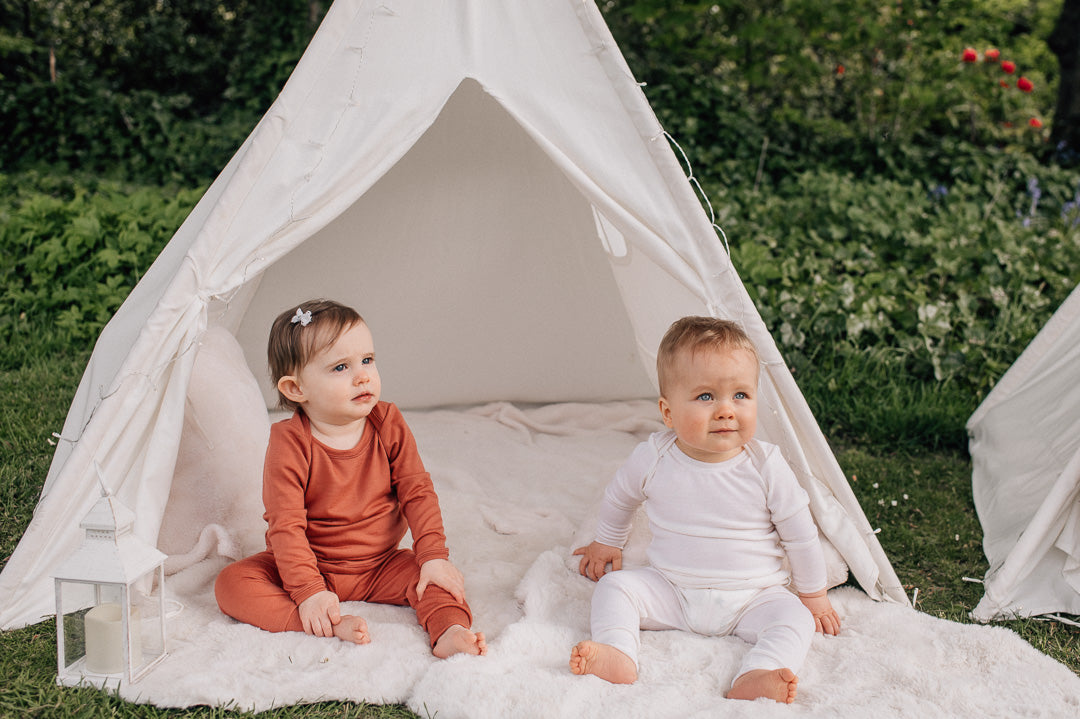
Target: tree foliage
(163,90)
(157,90)
(847,84)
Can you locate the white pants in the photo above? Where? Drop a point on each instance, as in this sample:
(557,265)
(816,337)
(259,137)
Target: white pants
(773,619)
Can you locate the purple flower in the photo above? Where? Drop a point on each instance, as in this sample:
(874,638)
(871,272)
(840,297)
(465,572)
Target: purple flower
(1070,211)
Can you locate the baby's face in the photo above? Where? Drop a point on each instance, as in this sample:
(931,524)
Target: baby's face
(341,384)
(711,402)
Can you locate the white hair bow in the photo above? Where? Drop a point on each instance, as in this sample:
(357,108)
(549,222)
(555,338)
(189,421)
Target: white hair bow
(304,318)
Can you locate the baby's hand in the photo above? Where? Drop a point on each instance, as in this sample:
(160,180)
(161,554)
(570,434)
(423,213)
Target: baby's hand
(597,556)
(826,620)
(441,573)
(319,613)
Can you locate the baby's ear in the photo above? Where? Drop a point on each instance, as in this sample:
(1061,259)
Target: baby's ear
(665,412)
(290,389)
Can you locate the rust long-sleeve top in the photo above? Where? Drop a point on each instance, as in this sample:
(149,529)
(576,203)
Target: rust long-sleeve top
(344,511)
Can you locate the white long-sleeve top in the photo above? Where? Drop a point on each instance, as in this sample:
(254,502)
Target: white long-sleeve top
(724,525)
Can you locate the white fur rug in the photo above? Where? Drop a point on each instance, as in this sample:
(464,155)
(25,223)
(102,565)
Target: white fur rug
(515,485)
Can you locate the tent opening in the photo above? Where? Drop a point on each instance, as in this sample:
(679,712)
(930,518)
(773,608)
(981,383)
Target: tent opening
(482,224)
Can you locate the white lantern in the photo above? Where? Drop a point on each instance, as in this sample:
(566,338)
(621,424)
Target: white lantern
(108,628)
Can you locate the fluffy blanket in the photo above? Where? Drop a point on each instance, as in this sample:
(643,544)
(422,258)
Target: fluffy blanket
(515,486)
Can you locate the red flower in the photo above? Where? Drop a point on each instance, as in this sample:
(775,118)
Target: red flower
(839,69)
(969,55)
(1003,83)
(1008,66)
(1035,122)
(1024,84)
(992,54)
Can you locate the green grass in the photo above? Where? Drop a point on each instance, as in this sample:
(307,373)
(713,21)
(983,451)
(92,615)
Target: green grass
(867,399)
(931,534)
(922,503)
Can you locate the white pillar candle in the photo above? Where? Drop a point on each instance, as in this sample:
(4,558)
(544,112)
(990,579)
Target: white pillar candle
(105,639)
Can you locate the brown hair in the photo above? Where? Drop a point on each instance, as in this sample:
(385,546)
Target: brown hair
(317,325)
(693,334)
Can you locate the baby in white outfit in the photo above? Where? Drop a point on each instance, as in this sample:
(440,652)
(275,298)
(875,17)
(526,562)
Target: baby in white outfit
(725,510)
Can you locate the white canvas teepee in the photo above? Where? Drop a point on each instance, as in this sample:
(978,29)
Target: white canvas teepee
(1025,450)
(487,184)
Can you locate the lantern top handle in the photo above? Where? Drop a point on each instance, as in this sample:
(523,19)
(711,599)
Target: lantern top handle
(108,514)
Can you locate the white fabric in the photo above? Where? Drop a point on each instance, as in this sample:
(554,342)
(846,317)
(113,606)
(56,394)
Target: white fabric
(218,476)
(447,168)
(714,525)
(1025,450)
(511,502)
(772,620)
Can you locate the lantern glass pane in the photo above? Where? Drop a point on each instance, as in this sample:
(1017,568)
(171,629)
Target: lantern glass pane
(74,636)
(76,600)
(146,604)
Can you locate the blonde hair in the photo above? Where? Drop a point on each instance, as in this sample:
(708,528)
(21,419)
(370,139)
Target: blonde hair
(693,334)
(293,342)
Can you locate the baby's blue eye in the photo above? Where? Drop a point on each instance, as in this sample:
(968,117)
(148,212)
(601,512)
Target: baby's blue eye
(368,360)
(705,396)
(741,395)
(341,367)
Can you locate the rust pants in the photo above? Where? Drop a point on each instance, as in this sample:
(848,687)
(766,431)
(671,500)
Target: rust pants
(251,591)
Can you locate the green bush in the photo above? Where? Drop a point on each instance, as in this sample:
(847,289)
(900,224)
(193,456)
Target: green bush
(140,135)
(144,92)
(70,252)
(924,291)
(852,86)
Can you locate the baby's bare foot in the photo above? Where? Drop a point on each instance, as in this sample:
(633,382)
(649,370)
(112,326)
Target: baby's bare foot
(604,661)
(459,640)
(777,684)
(353,629)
